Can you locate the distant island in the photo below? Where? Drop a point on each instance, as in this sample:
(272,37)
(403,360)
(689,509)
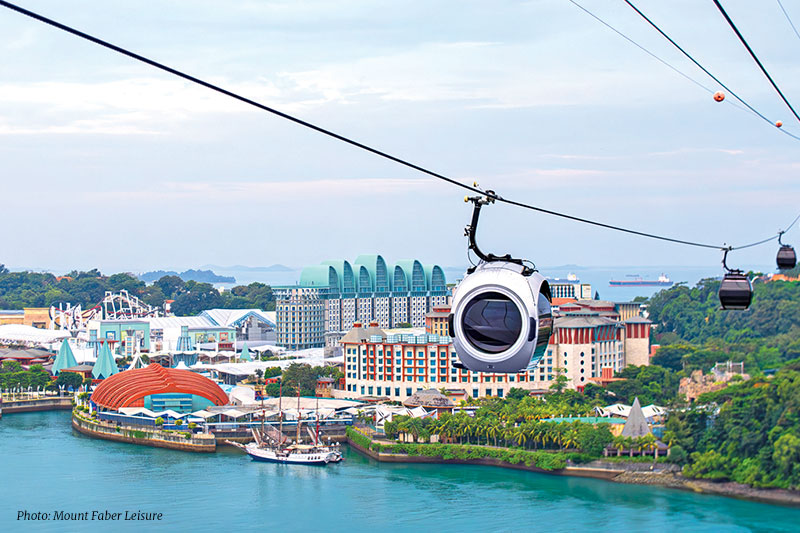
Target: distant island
(202,276)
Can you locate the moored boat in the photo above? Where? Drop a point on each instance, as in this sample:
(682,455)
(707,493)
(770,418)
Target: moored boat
(297,454)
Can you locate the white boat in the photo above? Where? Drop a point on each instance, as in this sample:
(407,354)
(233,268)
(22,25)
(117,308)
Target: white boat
(275,451)
(296,454)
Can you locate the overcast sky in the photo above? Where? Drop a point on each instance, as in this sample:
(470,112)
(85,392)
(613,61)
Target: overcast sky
(109,163)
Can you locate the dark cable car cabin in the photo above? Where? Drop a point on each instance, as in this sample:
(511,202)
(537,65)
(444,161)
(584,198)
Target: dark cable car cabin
(735,291)
(786,257)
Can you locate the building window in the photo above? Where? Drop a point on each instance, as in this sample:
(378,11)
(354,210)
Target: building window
(499,393)
(408,391)
(474,393)
(488,392)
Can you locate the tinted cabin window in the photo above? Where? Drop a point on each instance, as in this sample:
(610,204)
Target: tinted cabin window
(492,322)
(545,323)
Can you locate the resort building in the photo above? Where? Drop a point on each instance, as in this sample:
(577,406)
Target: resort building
(367,290)
(301,319)
(399,363)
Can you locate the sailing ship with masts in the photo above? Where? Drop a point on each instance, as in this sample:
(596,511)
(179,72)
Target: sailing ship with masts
(273,446)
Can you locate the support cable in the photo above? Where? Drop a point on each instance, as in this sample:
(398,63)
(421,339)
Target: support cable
(755,58)
(704,69)
(786,14)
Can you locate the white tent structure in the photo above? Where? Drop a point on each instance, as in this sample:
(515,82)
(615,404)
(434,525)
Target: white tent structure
(21,334)
(623,411)
(242,396)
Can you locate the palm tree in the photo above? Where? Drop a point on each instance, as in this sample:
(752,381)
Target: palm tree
(570,438)
(619,444)
(520,435)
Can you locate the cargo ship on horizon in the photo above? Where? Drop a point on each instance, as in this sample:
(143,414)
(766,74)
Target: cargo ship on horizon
(638,281)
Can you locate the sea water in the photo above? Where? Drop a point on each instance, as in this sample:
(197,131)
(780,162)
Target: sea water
(48,468)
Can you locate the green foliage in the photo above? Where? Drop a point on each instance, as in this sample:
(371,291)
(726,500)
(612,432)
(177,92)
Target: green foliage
(31,289)
(695,333)
(178,422)
(12,376)
(677,454)
(69,379)
(651,384)
(539,459)
(159,421)
(304,376)
(755,437)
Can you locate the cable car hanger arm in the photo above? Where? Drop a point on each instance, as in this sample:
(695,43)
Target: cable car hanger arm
(470,231)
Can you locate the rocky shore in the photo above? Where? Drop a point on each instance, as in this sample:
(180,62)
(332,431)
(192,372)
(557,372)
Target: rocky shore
(675,480)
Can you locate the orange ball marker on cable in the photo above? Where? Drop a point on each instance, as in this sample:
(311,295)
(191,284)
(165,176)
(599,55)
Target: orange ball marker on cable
(719,96)
(778,124)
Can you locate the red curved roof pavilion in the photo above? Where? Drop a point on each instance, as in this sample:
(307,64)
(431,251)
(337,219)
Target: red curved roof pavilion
(128,388)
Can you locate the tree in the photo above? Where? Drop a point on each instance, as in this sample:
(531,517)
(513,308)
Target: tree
(69,379)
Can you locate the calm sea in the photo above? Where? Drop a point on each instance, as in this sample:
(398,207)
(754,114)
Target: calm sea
(46,467)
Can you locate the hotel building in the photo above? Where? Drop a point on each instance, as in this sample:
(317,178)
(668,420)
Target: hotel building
(367,290)
(397,363)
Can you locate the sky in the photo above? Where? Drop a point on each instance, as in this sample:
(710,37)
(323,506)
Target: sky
(109,163)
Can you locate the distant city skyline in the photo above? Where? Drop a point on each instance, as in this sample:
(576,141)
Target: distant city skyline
(110,164)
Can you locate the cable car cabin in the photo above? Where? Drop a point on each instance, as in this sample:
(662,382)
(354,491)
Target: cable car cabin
(501,320)
(736,291)
(786,257)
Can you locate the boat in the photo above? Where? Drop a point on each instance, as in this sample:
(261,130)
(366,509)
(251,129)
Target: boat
(638,281)
(275,450)
(294,454)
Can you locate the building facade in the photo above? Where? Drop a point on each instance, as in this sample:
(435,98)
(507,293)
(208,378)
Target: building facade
(301,319)
(398,363)
(367,290)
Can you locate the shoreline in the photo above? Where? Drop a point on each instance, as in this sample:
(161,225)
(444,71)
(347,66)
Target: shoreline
(633,476)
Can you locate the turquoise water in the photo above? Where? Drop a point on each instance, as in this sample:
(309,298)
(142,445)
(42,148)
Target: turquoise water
(46,467)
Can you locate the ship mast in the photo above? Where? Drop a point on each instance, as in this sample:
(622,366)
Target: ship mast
(280,412)
(316,433)
(297,441)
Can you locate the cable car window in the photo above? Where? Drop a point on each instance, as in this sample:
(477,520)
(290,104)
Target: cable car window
(492,322)
(545,323)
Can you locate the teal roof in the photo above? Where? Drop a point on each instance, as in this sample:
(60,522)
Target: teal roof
(347,282)
(585,419)
(245,355)
(64,359)
(319,276)
(105,365)
(378,271)
(414,274)
(434,278)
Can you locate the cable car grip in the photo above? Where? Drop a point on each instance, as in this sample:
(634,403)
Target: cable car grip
(471,230)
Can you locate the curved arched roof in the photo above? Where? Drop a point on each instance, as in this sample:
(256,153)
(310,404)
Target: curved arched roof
(414,273)
(347,282)
(378,272)
(434,278)
(319,276)
(365,280)
(399,279)
(126,388)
